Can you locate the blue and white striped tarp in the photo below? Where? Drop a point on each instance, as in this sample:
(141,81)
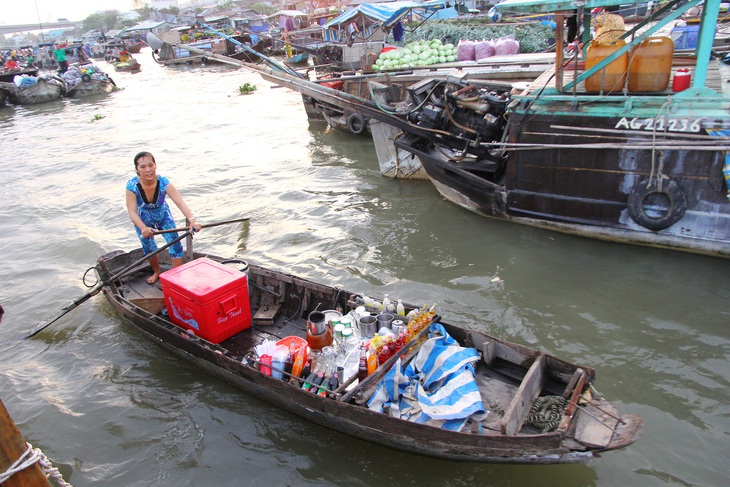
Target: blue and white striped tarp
(436,388)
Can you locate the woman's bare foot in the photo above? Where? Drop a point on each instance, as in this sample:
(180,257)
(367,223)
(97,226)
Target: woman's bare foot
(153,278)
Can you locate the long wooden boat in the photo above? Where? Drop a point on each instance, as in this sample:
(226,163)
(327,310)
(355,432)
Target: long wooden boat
(509,380)
(299,58)
(131,65)
(9,76)
(640,162)
(44,90)
(643,165)
(91,85)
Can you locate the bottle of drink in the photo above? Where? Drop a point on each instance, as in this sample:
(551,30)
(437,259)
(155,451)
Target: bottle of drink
(384,354)
(400,341)
(311,378)
(298,365)
(324,387)
(372,362)
(289,361)
(362,368)
(334,381)
(387,305)
(318,380)
(307,369)
(400,309)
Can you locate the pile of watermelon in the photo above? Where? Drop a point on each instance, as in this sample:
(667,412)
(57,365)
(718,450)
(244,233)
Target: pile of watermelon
(416,54)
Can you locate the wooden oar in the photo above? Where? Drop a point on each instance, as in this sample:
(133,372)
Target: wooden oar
(207,225)
(100,286)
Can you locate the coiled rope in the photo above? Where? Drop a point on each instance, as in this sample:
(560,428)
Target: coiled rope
(27,459)
(547,413)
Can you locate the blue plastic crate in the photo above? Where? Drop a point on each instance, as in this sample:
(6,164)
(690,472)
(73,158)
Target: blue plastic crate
(687,38)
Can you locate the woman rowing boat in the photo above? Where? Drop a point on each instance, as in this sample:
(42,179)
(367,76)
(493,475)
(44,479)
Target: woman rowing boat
(149,211)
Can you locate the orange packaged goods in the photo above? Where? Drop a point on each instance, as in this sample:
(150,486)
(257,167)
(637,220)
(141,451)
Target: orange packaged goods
(207,298)
(612,77)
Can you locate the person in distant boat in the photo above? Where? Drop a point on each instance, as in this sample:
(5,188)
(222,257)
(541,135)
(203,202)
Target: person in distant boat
(60,55)
(12,65)
(148,210)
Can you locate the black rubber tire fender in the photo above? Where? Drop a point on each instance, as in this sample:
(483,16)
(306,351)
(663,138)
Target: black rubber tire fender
(674,211)
(356,123)
(85,78)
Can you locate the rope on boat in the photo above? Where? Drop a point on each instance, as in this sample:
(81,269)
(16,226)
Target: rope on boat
(27,459)
(547,413)
(86,273)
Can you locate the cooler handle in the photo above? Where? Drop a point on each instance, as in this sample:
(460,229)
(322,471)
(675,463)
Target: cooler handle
(229,304)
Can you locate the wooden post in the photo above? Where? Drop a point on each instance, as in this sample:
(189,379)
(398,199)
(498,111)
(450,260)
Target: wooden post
(12,446)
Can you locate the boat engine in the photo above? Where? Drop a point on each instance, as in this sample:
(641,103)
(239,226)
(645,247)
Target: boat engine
(460,111)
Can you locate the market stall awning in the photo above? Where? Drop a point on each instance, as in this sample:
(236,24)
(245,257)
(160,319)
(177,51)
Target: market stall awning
(287,13)
(372,15)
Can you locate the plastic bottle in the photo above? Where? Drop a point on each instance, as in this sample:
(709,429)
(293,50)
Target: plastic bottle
(307,369)
(334,381)
(325,384)
(372,363)
(289,361)
(298,365)
(387,305)
(318,380)
(311,378)
(362,368)
(384,354)
(400,309)
(400,341)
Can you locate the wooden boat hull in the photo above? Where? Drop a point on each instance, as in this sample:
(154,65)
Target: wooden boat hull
(129,65)
(301,58)
(592,191)
(8,77)
(293,296)
(41,92)
(91,87)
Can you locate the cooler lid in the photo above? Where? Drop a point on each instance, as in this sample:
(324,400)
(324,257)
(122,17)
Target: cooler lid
(202,277)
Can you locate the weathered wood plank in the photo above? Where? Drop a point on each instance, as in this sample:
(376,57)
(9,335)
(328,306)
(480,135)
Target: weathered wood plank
(266,315)
(594,428)
(151,305)
(526,394)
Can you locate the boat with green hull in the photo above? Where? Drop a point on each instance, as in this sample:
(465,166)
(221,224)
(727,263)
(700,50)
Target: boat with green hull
(643,165)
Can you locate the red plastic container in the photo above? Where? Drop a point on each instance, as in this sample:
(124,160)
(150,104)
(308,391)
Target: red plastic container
(681,80)
(208,298)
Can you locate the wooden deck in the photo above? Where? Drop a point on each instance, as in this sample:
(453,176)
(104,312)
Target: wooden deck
(547,79)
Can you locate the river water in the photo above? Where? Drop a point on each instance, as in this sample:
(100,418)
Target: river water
(110,408)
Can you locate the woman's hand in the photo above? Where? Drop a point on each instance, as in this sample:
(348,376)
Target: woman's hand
(147,232)
(195,226)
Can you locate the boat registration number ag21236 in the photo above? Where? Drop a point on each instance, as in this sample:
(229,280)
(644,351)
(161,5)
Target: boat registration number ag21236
(662,124)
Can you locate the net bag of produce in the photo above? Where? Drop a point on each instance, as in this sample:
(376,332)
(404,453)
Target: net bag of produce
(465,51)
(507,46)
(484,49)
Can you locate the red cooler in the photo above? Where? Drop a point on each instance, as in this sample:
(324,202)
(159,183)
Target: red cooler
(207,298)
